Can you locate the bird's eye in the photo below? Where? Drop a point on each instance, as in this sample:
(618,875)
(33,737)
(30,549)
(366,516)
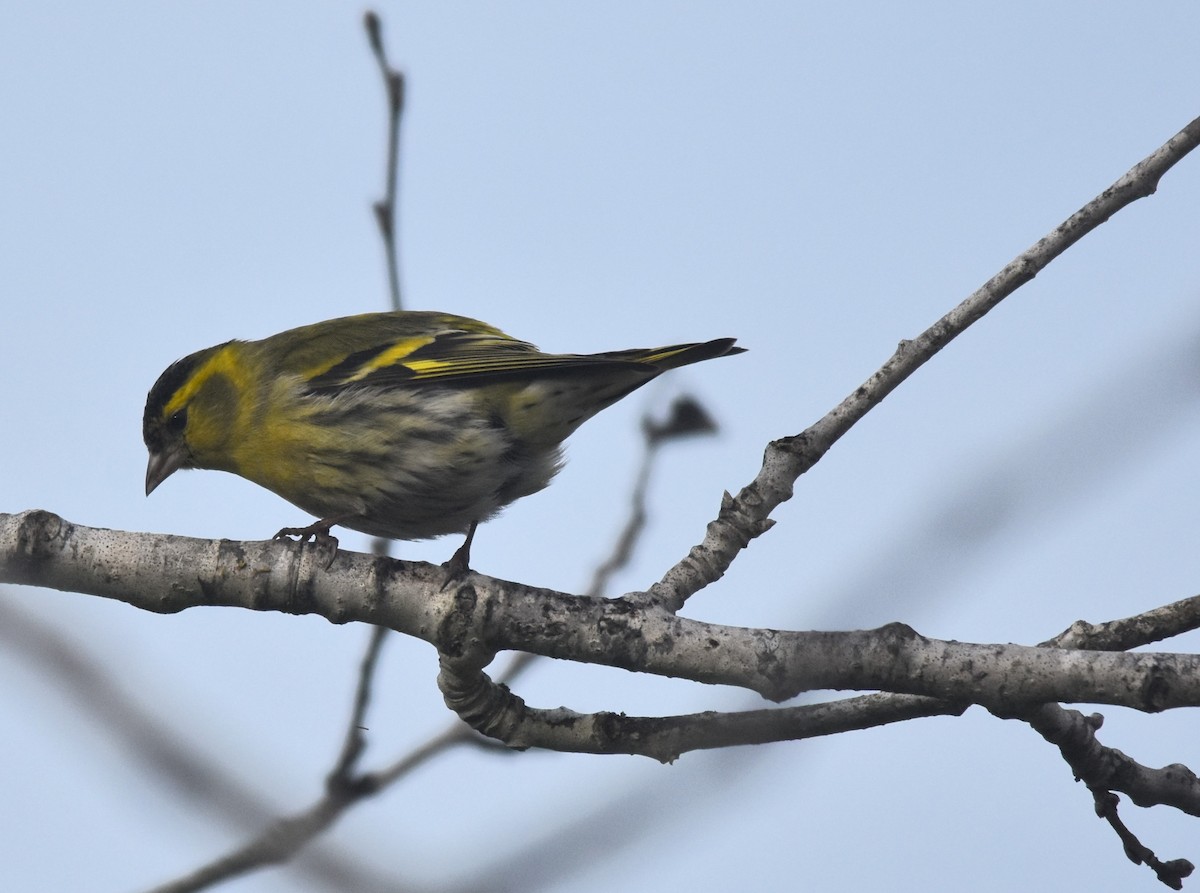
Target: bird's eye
(177,421)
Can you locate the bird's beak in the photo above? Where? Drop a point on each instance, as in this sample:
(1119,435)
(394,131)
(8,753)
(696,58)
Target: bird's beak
(162,466)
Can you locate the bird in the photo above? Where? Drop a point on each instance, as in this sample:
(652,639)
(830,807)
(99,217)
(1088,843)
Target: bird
(407,425)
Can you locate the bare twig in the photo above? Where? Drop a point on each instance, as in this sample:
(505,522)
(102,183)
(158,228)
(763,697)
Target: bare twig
(355,743)
(385,208)
(1105,769)
(746,516)
(687,417)
(1132,632)
(1170,873)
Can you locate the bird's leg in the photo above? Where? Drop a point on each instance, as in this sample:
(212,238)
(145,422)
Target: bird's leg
(460,562)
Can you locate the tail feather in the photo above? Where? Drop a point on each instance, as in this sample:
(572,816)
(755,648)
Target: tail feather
(677,355)
(578,387)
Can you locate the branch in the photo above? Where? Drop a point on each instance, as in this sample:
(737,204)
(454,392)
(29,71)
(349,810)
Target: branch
(744,517)
(469,624)
(497,712)
(1107,768)
(1132,632)
(1170,873)
(286,837)
(355,743)
(482,616)
(687,417)
(385,208)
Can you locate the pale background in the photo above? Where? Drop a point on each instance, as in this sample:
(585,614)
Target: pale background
(819,180)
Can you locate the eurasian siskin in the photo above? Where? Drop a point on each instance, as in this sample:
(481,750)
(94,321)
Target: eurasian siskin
(406,425)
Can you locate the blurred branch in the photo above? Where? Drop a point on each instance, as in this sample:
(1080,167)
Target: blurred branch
(287,836)
(355,742)
(385,208)
(686,417)
(86,680)
(171,758)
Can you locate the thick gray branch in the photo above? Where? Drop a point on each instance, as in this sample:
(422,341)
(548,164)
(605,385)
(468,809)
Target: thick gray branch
(471,622)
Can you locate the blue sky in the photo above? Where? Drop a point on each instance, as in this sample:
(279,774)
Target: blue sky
(818,180)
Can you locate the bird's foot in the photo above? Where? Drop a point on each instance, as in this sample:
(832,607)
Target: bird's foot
(318,532)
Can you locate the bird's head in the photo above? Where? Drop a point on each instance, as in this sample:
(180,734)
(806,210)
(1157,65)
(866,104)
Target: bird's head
(191,412)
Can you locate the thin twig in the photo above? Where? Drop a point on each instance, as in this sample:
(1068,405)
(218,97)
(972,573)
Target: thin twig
(687,417)
(385,208)
(746,516)
(635,521)
(355,742)
(1170,873)
(1105,769)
